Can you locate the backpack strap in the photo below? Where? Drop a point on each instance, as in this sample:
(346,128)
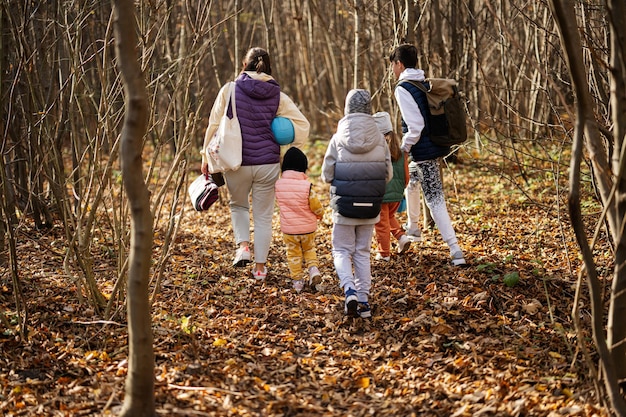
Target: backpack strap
(420,86)
(417,84)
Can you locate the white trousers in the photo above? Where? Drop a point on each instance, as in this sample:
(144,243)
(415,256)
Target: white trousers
(351,255)
(413,206)
(256,181)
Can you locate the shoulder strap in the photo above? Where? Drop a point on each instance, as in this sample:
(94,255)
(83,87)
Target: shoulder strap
(232,99)
(424,109)
(416,84)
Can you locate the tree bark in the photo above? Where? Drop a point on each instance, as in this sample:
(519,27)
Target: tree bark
(616,326)
(587,135)
(139,399)
(359,19)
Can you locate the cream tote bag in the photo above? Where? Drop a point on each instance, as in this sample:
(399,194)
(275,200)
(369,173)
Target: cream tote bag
(224,149)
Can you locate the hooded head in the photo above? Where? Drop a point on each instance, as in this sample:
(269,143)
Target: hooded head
(358,101)
(295,160)
(383,122)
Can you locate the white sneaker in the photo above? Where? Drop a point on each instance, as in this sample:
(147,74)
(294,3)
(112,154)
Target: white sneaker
(242,256)
(380,257)
(458,259)
(404,243)
(298,285)
(315,278)
(414,237)
(260,275)
(414,234)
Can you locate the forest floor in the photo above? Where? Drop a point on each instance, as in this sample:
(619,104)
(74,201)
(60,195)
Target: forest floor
(443,340)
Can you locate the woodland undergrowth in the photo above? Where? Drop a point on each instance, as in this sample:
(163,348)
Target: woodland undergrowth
(495,338)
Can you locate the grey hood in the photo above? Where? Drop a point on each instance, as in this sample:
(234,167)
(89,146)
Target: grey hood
(358,133)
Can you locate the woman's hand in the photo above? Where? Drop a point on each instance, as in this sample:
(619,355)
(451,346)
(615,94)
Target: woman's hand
(205,168)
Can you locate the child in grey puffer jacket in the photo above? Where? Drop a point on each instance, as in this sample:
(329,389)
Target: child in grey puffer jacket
(358,166)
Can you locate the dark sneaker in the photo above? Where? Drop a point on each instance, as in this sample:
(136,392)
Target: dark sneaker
(350,306)
(364,311)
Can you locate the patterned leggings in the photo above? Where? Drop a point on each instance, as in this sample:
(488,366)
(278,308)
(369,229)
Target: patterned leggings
(427,174)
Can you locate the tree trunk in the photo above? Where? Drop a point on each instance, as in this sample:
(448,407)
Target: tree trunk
(9,228)
(359,19)
(139,399)
(616,325)
(587,135)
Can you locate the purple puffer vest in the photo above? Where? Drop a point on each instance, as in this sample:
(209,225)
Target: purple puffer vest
(257,103)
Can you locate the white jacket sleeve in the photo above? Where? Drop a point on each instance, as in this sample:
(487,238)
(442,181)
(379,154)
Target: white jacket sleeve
(412,116)
(287,108)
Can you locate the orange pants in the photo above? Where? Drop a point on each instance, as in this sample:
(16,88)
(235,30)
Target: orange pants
(388,225)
